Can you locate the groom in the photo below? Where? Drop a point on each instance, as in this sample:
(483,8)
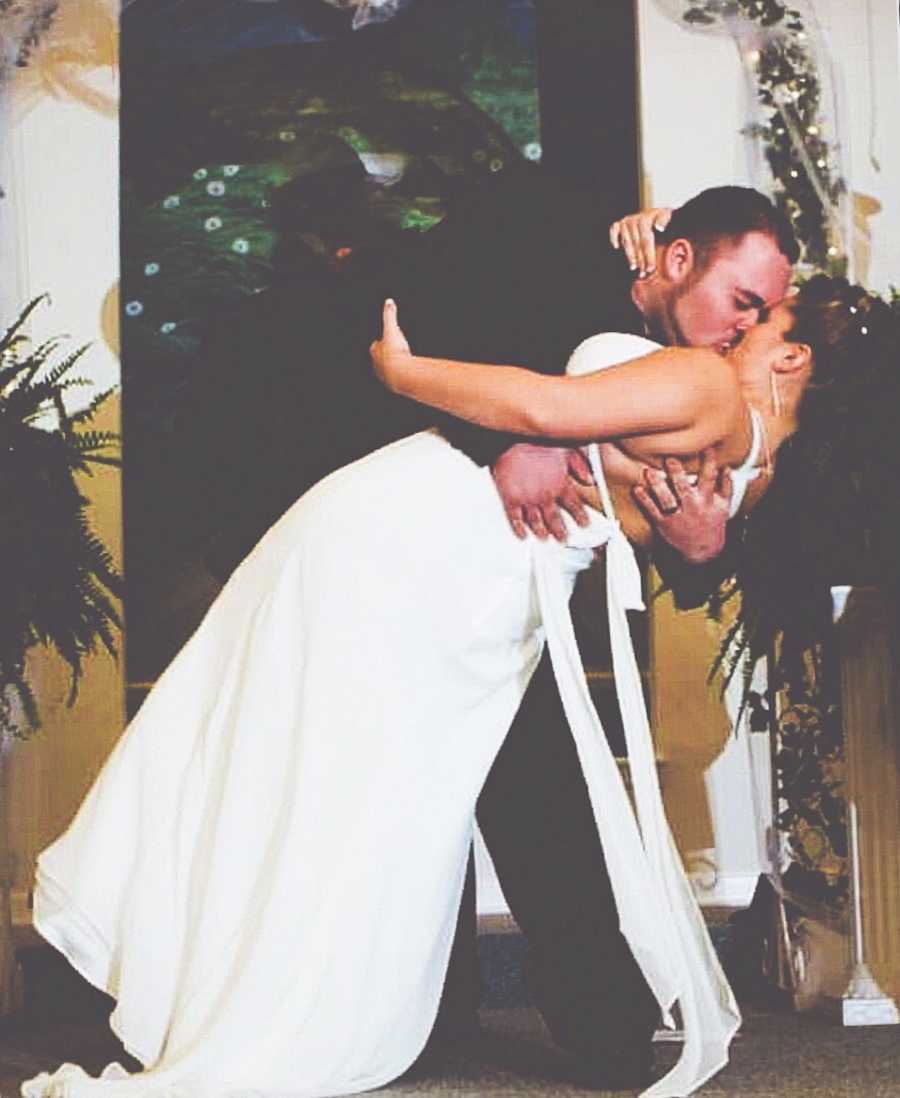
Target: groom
(520,275)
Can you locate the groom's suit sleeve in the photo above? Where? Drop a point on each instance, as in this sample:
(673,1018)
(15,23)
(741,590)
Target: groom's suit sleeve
(502,280)
(693,584)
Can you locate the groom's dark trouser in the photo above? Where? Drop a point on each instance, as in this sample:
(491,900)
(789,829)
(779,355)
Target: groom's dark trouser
(536,819)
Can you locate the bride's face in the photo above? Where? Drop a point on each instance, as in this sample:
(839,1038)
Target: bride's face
(765,343)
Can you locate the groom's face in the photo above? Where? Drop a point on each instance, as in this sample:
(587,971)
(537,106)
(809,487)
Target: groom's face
(741,282)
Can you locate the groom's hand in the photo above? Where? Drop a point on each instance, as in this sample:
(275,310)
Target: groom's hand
(691,516)
(534,482)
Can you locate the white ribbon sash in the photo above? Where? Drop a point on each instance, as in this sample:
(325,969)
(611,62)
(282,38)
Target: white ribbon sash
(658,913)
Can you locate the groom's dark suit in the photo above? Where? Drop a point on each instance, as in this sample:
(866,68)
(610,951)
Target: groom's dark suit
(520,273)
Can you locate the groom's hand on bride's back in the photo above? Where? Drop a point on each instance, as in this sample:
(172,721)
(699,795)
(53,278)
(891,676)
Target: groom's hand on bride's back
(536,483)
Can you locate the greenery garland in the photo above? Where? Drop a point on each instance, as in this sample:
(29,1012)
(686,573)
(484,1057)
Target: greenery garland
(808,182)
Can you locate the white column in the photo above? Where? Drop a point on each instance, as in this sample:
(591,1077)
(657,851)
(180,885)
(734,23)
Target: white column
(738,788)
(60,172)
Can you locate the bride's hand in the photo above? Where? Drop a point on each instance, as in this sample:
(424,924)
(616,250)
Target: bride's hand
(391,353)
(634,234)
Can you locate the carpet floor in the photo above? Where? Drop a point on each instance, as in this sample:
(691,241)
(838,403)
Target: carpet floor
(774,1056)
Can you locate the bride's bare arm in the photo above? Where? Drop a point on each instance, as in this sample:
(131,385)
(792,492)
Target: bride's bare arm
(688,398)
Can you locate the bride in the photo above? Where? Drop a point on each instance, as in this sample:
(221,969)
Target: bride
(267,871)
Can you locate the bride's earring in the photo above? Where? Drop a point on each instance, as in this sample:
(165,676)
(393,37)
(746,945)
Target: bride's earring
(776,395)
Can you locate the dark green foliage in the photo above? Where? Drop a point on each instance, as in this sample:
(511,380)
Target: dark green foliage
(809,774)
(58,580)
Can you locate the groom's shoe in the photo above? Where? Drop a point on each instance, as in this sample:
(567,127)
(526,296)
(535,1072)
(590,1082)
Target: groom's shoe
(599,1011)
(626,1068)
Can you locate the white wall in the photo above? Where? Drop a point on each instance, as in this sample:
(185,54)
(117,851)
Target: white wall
(864,38)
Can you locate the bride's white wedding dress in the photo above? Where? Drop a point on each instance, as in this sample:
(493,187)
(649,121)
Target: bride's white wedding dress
(267,872)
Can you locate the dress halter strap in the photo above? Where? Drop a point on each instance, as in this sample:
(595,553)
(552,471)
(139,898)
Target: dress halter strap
(756,439)
(749,470)
(597,469)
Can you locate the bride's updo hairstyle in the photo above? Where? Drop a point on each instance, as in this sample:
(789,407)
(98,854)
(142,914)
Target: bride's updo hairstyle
(831,515)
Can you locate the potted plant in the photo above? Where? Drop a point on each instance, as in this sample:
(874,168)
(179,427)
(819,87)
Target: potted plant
(58,583)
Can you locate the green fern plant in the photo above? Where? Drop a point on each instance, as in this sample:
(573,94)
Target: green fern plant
(58,581)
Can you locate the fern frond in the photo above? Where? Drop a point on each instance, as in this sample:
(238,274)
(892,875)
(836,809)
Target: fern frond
(29,403)
(59,585)
(96,459)
(58,372)
(12,333)
(11,374)
(85,415)
(87,441)
(36,358)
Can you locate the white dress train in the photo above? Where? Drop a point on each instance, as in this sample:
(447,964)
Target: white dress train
(267,872)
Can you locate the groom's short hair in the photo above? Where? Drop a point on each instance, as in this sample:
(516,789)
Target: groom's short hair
(724,215)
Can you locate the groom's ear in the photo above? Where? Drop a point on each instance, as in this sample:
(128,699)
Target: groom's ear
(678,260)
